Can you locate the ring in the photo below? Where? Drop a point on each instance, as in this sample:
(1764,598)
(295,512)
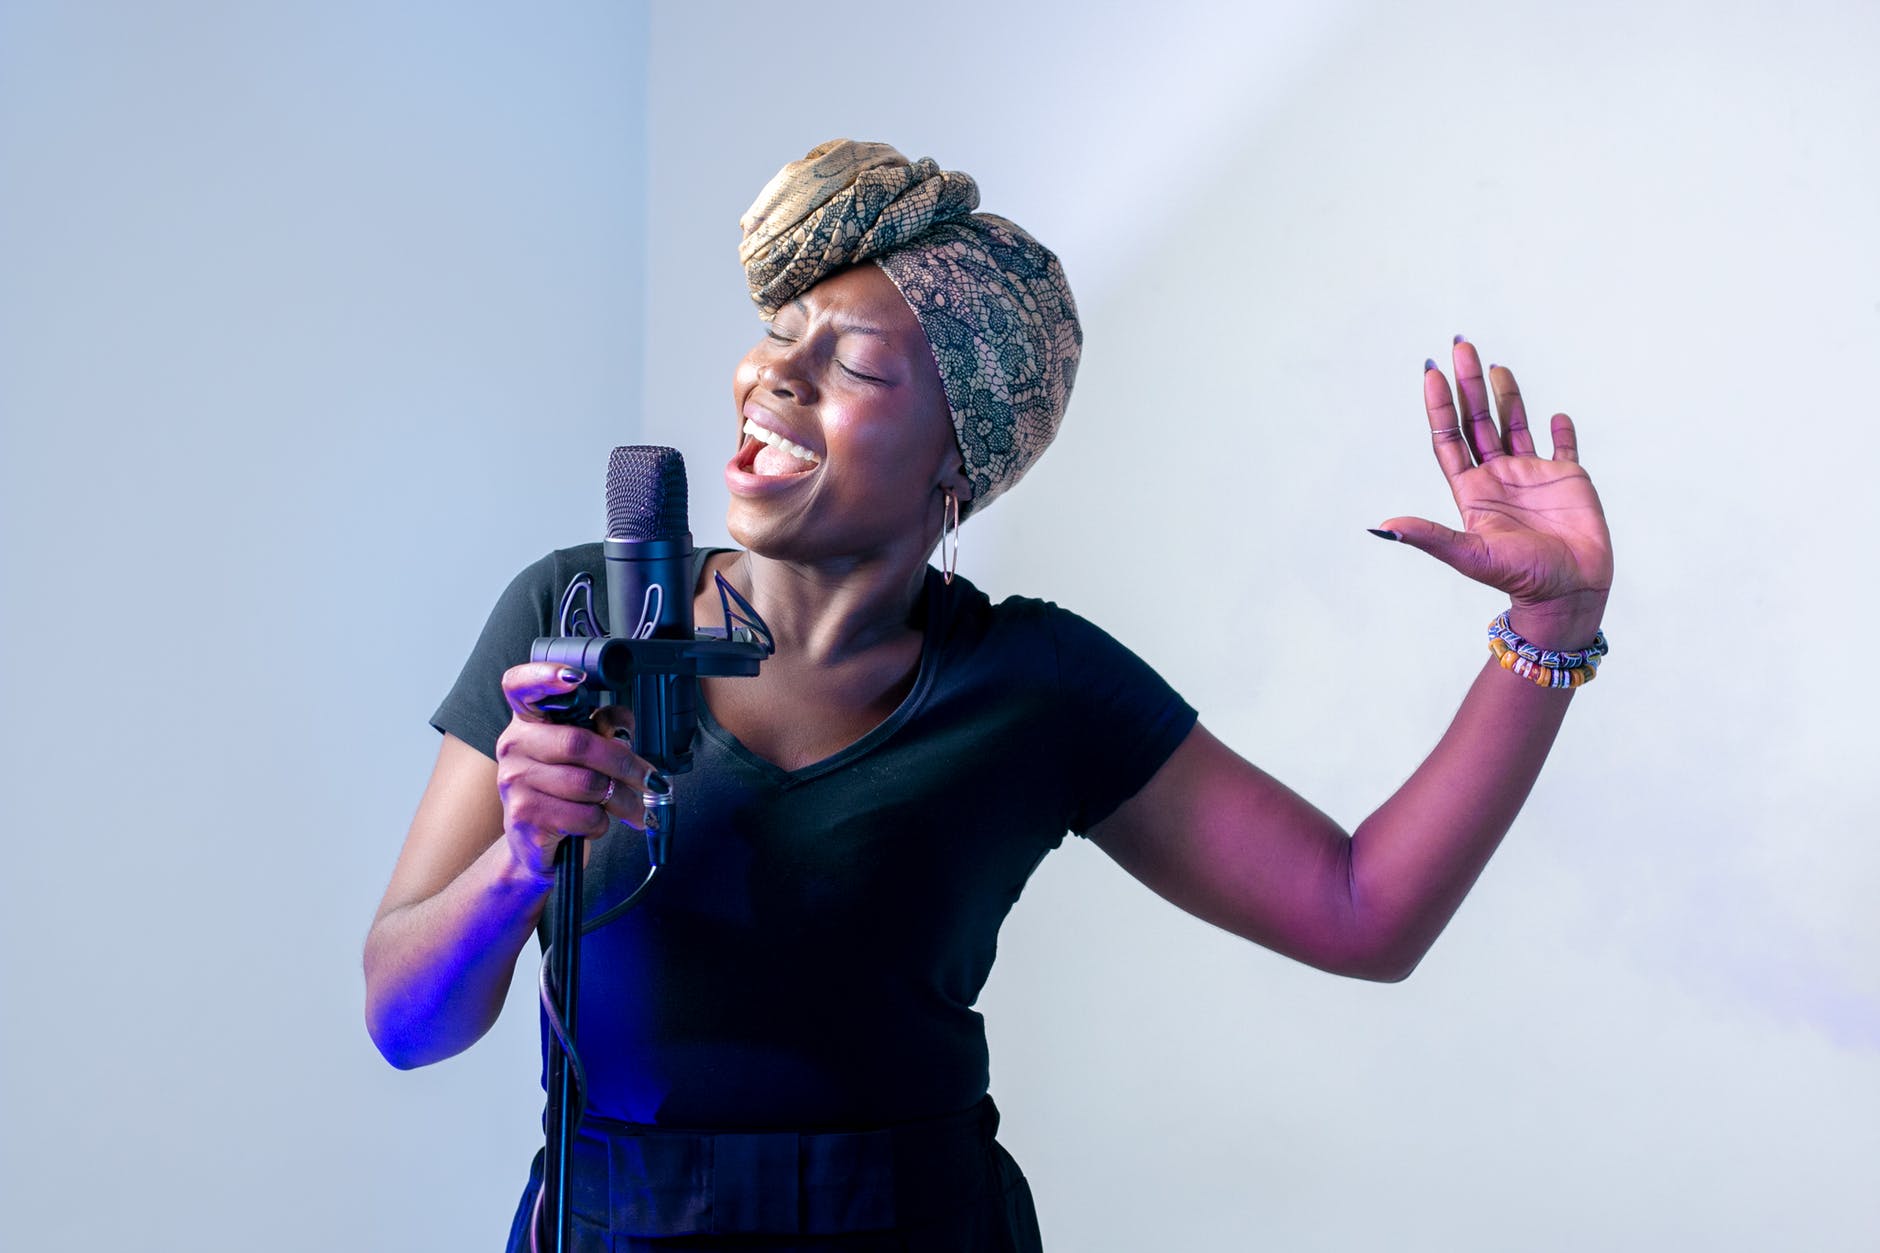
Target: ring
(609,795)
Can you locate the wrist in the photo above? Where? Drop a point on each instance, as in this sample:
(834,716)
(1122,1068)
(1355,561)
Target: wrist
(1566,622)
(517,875)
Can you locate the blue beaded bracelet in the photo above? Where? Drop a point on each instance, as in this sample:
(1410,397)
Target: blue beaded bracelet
(1548,658)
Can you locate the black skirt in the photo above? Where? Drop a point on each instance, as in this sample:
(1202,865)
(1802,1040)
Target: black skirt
(940,1186)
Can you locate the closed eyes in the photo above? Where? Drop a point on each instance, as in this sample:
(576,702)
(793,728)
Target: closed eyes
(777,337)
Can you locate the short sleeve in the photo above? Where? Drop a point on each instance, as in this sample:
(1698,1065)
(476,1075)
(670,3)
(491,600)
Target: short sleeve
(1119,719)
(474,710)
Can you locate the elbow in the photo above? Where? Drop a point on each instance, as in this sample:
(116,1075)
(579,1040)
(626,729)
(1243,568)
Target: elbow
(1382,944)
(411,1030)
(1393,955)
(399,1058)
(417,1017)
(381,1025)
(400,1036)
(394,1045)
(405,1045)
(395,1031)
(1392,971)
(1390,960)
(1381,968)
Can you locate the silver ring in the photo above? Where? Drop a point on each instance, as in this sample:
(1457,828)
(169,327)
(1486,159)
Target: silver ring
(609,795)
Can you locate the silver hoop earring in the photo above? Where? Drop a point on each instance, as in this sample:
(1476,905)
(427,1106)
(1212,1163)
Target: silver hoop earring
(949,536)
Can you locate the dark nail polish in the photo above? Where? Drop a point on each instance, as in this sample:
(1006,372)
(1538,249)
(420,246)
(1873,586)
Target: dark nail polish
(1392,535)
(1492,365)
(1429,363)
(1458,340)
(570,675)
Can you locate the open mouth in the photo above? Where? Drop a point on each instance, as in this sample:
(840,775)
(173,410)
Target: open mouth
(771,455)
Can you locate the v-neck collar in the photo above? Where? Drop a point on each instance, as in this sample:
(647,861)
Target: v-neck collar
(932,598)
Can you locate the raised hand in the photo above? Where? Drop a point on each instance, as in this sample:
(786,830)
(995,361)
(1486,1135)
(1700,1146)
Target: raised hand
(1533,525)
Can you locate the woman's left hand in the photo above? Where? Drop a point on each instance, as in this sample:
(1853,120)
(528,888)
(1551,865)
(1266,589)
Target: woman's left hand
(1533,526)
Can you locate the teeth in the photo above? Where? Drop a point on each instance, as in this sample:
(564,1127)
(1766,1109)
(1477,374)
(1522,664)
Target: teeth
(777,441)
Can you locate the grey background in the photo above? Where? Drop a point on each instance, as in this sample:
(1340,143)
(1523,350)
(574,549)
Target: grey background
(316,322)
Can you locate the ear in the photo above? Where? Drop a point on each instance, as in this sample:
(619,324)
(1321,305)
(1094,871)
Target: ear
(953,477)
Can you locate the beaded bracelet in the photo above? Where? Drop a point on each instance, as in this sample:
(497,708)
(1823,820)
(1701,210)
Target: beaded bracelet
(1543,676)
(1544,667)
(1553,659)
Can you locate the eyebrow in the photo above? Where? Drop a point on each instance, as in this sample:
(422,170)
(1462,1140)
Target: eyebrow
(844,327)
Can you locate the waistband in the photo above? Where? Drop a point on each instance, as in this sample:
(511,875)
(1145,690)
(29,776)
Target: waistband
(632,1179)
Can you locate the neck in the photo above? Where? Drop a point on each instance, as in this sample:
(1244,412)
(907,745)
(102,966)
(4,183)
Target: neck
(828,611)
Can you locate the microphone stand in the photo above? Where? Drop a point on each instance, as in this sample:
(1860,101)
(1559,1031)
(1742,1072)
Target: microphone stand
(564,1097)
(662,674)
(659,657)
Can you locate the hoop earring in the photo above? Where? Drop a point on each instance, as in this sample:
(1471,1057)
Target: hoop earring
(949,531)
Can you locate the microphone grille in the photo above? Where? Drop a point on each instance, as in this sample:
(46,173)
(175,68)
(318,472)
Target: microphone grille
(646,494)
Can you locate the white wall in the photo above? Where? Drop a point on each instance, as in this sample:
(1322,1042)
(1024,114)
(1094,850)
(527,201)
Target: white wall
(1655,1023)
(317,320)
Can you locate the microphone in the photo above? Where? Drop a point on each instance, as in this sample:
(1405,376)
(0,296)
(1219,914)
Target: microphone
(649,597)
(652,657)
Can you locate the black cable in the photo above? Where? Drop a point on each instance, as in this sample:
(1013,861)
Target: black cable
(633,899)
(749,617)
(552,1011)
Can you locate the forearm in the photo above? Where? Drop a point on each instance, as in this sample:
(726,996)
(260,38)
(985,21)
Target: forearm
(438,969)
(1413,861)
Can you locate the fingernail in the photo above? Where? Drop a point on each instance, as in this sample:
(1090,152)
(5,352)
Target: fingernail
(1383,534)
(623,735)
(658,783)
(1458,340)
(1493,366)
(570,675)
(1429,363)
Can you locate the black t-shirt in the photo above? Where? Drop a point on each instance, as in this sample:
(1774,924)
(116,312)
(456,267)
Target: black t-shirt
(811,952)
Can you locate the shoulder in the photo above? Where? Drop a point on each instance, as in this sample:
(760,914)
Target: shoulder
(1041,632)
(1046,622)
(547,577)
(532,601)
(475,710)
(565,563)
(965,606)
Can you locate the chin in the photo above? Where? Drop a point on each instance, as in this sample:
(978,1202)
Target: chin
(767,536)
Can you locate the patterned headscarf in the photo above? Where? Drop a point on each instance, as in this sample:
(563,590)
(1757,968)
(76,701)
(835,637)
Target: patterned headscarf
(992,300)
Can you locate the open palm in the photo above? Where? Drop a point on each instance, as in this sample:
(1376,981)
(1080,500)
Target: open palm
(1533,525)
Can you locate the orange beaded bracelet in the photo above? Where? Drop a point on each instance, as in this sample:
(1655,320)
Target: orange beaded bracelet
(1544,667)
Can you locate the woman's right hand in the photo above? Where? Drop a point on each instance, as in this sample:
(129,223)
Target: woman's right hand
(558,780)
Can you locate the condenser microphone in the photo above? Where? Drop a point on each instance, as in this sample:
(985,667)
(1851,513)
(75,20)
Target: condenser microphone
(648,553)
(649,545)
(651,658)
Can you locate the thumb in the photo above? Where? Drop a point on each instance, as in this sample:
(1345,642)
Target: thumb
(534,688)
(1457,549)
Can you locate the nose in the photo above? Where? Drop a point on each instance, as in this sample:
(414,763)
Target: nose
(783,373)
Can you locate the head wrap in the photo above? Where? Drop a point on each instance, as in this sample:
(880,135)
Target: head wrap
(992,300)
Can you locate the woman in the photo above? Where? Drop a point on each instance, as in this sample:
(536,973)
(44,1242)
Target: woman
(780,1045)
